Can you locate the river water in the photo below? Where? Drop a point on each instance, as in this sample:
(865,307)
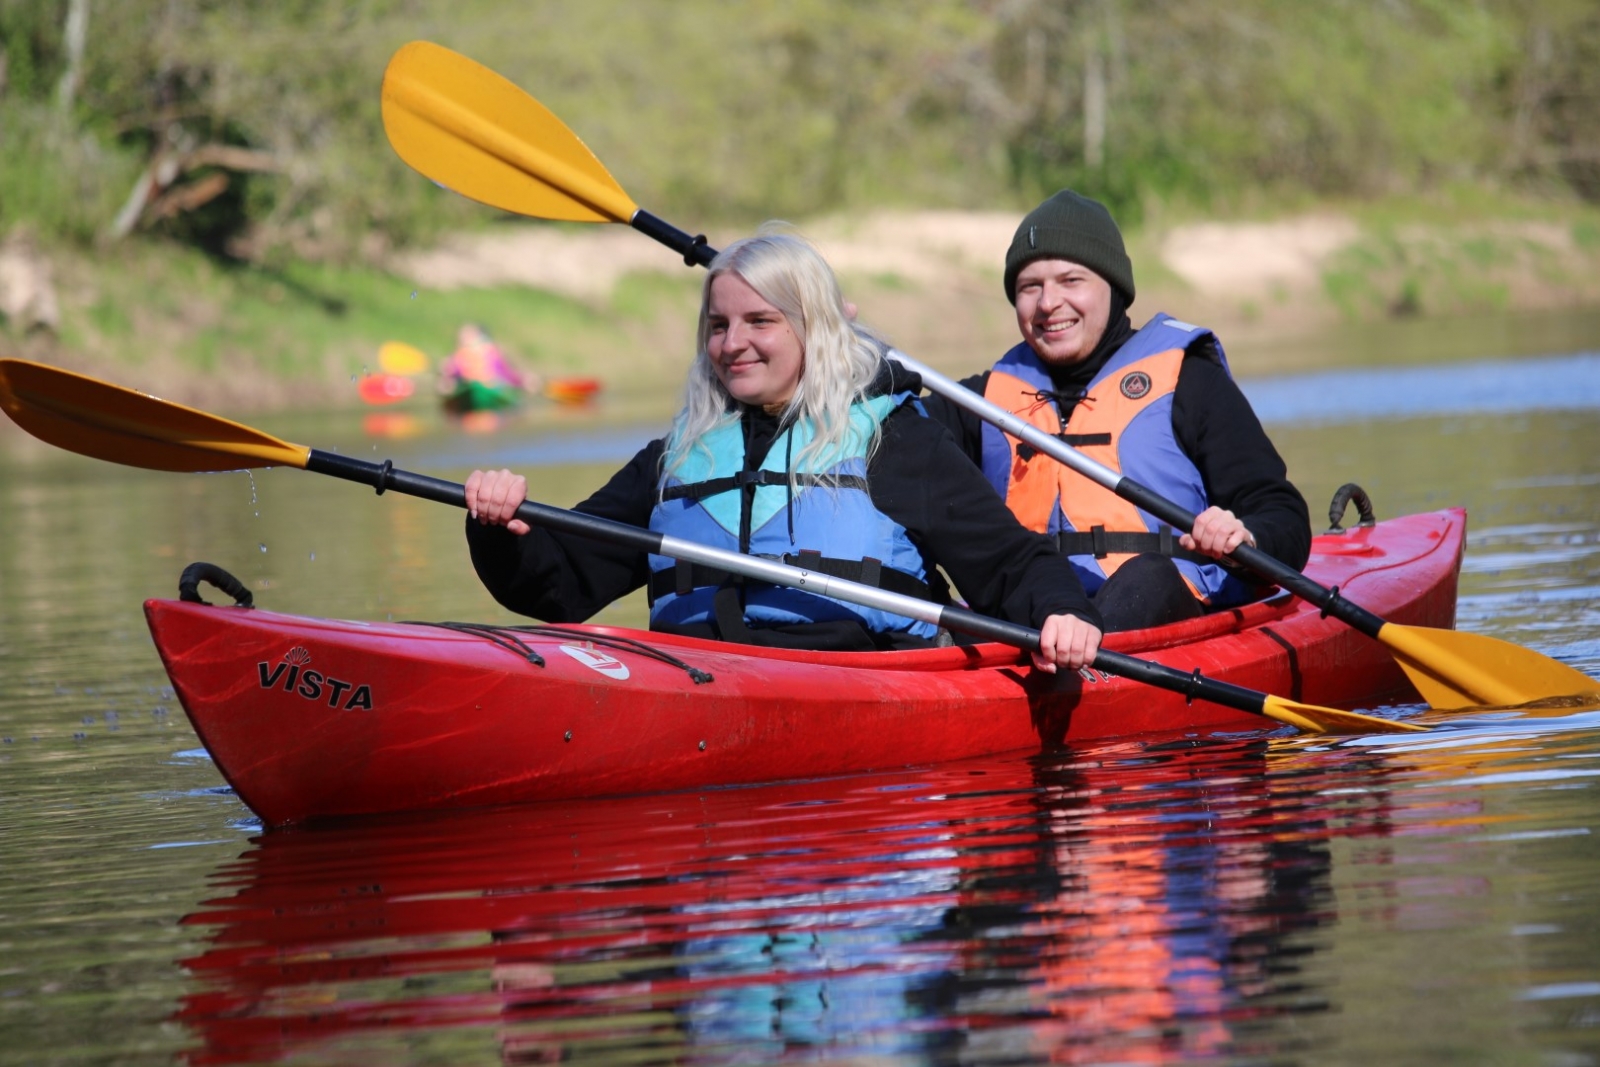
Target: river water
(1407,899)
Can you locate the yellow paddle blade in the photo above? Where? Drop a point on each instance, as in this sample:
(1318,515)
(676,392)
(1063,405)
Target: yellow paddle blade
(1319,720)
(397,357)
(472,131)
(1452,669)
(104,421)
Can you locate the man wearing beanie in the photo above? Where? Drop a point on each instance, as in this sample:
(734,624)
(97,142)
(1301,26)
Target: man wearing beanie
(1156,404)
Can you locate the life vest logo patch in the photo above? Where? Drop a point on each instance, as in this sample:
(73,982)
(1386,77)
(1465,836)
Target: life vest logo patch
(1135,384)
(596,660)
(292,674)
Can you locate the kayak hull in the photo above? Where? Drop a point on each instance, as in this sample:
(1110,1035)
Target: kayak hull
(469,396)
(309,718)
(572,390)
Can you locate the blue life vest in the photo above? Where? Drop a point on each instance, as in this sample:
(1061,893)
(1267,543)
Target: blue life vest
(1124,422)
(829,511)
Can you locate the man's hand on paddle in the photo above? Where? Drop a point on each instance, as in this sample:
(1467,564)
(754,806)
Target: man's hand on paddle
(1066,641)
(493,498)
(1216,533)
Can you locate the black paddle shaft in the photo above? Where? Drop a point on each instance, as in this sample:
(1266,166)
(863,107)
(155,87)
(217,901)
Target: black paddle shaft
(384,476)
(695,251)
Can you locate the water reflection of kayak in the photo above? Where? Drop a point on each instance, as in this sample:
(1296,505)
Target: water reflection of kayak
(1108,900)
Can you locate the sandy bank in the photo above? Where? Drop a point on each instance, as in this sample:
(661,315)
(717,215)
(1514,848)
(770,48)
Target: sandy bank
(931,280)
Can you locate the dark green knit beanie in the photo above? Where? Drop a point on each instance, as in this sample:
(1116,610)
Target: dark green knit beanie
(1072,227)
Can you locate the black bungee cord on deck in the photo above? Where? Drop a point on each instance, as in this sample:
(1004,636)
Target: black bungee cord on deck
(508,638)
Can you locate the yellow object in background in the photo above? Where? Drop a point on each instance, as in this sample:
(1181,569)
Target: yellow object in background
(397,357)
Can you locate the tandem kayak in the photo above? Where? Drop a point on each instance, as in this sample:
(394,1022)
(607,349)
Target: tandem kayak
(308,718)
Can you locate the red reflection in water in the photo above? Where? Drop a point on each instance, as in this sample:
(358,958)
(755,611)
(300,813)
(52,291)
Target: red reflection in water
(1129,904)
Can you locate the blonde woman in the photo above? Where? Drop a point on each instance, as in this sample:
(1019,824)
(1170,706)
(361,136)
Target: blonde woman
(797,440)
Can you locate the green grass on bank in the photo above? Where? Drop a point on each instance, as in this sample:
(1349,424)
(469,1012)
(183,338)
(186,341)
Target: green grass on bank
(1475,250)
(180,318)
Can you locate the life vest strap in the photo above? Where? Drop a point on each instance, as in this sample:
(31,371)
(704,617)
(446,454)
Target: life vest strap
(685,577)
(1025,451)
(1099,542)
(713,486)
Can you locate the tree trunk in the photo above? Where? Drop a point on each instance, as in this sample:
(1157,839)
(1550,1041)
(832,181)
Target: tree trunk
(74,37)
(1094,107)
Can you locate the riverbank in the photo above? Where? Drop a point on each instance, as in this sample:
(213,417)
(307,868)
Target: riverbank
(608,302)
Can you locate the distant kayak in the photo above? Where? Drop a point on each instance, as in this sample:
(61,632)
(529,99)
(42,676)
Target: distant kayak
(571,390)
(468,396)
(384,388)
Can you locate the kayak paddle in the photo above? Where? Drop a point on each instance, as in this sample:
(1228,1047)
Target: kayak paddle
(474,132)
(110,422)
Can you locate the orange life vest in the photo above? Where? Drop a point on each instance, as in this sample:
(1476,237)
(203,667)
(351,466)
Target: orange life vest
(1124,422)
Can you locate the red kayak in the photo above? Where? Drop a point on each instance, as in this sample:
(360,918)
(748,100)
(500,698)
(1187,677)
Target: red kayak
(315,717)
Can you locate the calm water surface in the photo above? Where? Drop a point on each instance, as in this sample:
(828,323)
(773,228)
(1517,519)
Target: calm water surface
(1412,900)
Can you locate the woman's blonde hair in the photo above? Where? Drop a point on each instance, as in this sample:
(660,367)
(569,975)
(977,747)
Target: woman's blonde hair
(840,356)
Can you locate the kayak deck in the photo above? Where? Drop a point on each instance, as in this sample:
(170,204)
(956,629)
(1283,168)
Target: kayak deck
(313,717)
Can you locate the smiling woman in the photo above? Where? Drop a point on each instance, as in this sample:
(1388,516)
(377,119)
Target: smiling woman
(754,352)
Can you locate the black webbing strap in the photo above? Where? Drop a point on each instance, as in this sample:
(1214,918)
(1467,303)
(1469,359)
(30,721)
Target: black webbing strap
(684,577)
(713,486)
(1100,543)
(1026,451)
(727,606)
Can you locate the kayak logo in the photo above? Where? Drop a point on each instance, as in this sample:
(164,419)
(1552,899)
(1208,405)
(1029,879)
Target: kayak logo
(1135,384)
(596,660)
(292,675)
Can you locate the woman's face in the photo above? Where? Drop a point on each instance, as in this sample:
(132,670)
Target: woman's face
(754,352)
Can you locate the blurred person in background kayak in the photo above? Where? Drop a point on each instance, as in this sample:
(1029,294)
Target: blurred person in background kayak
(796,440)
(479,375)
(1156,404)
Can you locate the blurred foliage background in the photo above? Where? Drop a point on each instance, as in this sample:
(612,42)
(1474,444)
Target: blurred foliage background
(252,131)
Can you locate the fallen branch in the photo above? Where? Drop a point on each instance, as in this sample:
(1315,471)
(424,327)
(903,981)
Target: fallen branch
(149,200)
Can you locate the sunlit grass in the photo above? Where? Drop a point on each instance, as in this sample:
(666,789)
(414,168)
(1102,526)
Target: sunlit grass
(147,304)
